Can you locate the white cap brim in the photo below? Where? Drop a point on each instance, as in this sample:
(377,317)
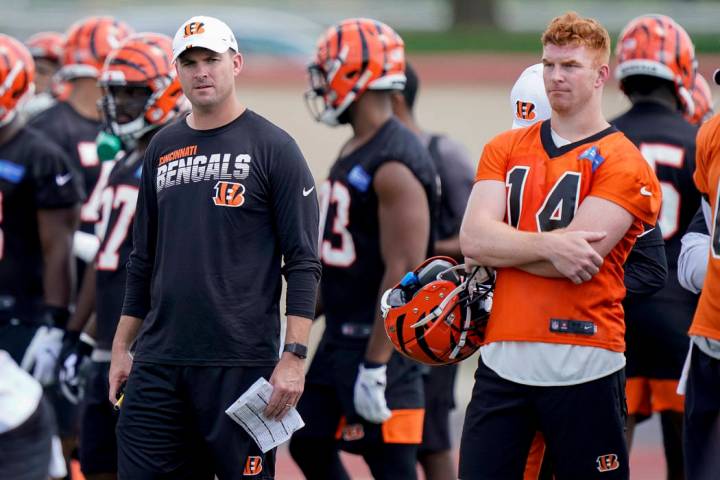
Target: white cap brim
(200,44)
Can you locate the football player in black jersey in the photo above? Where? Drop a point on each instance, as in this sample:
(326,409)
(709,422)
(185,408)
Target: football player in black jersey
(40,194)
(75,122)
(46,49)
(226,205)
(455,169)
(656,69)
(141,94)
(375,226)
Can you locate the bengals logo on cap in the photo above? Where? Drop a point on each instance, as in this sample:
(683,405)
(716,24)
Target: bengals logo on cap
(607,463)
(229,194)
(194,28)
(253,465)
(525,110)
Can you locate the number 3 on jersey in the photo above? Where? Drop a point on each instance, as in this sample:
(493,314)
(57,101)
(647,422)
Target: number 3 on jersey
(337,194)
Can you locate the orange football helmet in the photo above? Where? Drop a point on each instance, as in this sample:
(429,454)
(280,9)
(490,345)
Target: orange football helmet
(353,56)
(437,314)
(142,62)
(657,46)
(88,42)
(17,74)
(47,45)
(703,101)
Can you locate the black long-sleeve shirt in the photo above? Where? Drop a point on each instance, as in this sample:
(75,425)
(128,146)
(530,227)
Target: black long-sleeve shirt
(218,211)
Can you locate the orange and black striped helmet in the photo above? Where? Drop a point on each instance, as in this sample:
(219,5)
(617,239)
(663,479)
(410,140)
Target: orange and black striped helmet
(88,42)
(703,101)
(46,45)
(353,56)
(657,46)
(438,313)
(143,63)
(17,73)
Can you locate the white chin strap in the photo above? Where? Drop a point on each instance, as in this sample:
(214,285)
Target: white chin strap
(463,335)
(384,307)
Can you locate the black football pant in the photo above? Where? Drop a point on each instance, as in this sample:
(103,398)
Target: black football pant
(583,426)
(702,418)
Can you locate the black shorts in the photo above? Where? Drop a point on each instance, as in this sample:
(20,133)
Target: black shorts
(26,449)
(173,425)
(439,385)
(656,337)
(701,435)
(328,408)
(98,447)
(15,339)
(583,426)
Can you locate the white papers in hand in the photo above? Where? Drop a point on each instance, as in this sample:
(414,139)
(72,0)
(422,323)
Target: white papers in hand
(248,410)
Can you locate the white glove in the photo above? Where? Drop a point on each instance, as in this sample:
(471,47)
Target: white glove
(42,354)
(369,395)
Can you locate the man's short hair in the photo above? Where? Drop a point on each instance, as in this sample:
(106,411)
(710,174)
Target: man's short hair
(574,30)
(411,86)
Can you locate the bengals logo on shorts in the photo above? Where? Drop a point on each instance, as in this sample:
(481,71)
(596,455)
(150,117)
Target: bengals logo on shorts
(229,194)
(194,28)
(607,463)
(253,465)
(353,432)
(525,110)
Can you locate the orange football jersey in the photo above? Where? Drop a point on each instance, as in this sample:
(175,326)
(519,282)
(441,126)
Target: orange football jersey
(545,185)
(707,175)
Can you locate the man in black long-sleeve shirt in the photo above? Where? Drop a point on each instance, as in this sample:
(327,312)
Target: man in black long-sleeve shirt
(225,196)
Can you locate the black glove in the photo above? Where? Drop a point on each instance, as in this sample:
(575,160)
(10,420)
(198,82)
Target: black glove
(74,358)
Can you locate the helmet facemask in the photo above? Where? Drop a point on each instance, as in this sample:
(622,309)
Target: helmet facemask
(125,108)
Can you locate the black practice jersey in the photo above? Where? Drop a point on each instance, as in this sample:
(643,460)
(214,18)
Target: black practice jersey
(117,209)
(667,142)
(76,136)
(457,178)
(350,250)
(34,175)
(217,212)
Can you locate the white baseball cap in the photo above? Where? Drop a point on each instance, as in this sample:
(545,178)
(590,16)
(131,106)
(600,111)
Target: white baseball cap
(528,101)
(203,32)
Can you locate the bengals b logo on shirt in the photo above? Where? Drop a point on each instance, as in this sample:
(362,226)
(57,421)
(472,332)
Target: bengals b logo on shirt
(229,194)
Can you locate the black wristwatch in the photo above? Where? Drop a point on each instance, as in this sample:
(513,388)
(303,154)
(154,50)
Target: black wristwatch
(297,349)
